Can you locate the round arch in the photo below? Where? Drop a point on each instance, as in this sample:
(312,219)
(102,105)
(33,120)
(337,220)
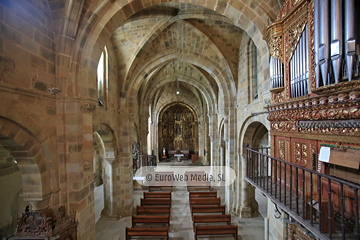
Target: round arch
(31,157)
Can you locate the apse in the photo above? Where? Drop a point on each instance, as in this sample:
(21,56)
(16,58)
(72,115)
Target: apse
(178,129)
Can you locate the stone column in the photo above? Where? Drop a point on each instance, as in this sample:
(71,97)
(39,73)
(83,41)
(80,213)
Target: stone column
(248,204)
(109,210)
(214,144)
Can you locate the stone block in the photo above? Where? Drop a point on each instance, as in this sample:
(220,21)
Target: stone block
(17,79)
(50,110)
(16,53)
(7,63)
(19,24)
(51,68)
(37,62)
(25,69)
(47,54)
(43,40)
(9,33)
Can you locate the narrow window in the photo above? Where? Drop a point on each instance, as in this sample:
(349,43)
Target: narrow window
(102,77)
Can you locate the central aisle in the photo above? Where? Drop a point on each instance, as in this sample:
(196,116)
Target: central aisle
(180,220)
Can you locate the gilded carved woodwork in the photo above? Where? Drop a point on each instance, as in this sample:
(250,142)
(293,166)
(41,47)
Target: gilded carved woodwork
(301,156)
(283,36)
(330,114)
(178,128)
(287,8)
(281,149)
(37,225)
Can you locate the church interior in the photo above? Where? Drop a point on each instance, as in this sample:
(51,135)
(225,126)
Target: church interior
(92,91)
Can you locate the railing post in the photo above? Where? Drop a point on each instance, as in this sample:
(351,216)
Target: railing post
(291,176)
(303,193)
(285,191)
(342,209)
(320,201)
(297,190)
(280,182)
(329,209)
(311,199)
(356,206)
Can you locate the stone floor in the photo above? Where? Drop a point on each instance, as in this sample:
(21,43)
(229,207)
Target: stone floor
(180,221)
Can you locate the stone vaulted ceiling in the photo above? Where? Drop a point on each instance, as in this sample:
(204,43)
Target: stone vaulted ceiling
(178,45)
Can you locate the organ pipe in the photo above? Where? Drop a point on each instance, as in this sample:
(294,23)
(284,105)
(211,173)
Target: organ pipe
(324,40)
(336,38)
(350,43)
(316,41)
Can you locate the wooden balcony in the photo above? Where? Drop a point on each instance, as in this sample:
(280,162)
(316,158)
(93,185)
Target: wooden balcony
(327,206)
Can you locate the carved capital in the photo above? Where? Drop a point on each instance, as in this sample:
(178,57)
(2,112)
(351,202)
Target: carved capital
(87,107)
(110,160)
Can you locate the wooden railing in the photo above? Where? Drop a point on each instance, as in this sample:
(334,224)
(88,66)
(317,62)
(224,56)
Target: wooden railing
(327,206)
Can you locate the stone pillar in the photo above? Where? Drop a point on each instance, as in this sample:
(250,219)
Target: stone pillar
(109,210)
(214,144)
(230,131)
(248,205)
(79,152)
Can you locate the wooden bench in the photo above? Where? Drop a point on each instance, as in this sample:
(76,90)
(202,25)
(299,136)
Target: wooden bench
(216,218)
(161,181)
(157,195)
(155,201)
(160,188)
(164,210)
(147,232)
(199,188)
(205,201)
(212,194)
(144,219)
(208,209)
(216,230)
(195,181)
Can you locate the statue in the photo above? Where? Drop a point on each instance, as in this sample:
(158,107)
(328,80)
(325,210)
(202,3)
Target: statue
(164,154)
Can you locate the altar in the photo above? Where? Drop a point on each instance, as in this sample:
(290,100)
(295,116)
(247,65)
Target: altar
(178,156)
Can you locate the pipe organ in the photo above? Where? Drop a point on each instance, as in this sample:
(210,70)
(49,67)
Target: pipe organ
(276,73)
(315,90)
(299,67)
(336,42)
(313,45)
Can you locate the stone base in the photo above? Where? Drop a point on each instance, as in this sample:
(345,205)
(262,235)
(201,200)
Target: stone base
(110,216)
(249,211)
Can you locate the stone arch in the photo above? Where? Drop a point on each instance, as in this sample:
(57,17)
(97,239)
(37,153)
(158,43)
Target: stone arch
(222,77)
(206,90)
(31,158)
(105,142)
(253,132)
(254,135)
(98,159)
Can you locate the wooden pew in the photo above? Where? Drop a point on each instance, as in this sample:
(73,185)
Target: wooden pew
(205,201)
(163,210)
(216,218)
(208,209)
(155,201)
(212,194)
(161,181)
(157,195)
(216,230)
(149,231)
(198,188)
(160,188)
(194,183)
(144,219)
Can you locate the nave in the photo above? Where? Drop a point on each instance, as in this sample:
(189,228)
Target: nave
(181,225)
